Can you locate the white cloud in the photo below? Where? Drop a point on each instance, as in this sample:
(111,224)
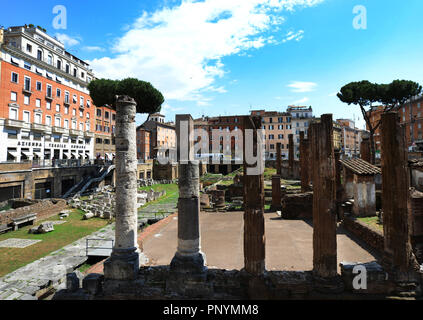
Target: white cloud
(297,36)
(180,49)
(301,101)
(93,48)
(66,40)
(300,86)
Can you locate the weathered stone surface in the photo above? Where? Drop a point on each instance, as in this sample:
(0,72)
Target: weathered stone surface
(73,281)
(92,283)
(298,206)
(276,193)
(324,197)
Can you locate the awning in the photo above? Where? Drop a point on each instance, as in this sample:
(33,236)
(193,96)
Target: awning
(58,79)
(38,71)
(75,154)
(38,154)
(15,61)
(81,155)
(87,155)
(14,154)
(27,154)
(49,75)
(109,155)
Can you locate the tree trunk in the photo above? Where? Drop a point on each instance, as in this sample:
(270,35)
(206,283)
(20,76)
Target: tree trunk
(372,148)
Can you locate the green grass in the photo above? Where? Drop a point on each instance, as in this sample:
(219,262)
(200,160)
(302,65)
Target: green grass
(372,222)
(172,193)
(63,234)
(5,208)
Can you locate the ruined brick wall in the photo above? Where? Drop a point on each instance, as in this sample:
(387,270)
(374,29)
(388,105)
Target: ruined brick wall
(44,209)
(298,206)
(371,237)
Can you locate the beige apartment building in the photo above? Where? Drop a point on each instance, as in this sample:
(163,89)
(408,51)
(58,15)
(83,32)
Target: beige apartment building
(277,126)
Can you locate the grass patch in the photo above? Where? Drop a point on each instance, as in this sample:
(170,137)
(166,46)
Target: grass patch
(172,193)
(373,222)
(63,234)
(5,208)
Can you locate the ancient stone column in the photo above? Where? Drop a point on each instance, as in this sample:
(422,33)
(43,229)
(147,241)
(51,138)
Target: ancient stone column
(123,263)
(304,163)
(276,193)
(254,237)
(188,257)
(279,158)
(310,158)
(324,195)
(395,194)
(365,149)
(338,182)
(291,155)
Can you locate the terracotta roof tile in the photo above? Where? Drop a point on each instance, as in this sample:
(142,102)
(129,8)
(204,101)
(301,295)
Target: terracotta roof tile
(360,167)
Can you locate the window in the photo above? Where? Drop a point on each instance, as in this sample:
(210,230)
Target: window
(98,112)
(37,136)
(13,114)
(67,68)
(39,86)
(15,77)
(74,72)
(37,118)
(74,125)
(28,47)
(81,101)
(81,113)
(13,96)
(88,103)
(26,100)
(27,65)
(27,84)
(59,64)
(57,107)
(66,124)
(58,93)
(280,136)
(81,126)
(49,91)
(82,74)
(74,98)
(66,110)
(50,59)
(26,116)
(48,120)
(12,134)
(48,105)
(38,103)
(74,112)
(66,97)
(25,135)
(88,115)
(56,138)
(87,126)
(113,116)
(39,55)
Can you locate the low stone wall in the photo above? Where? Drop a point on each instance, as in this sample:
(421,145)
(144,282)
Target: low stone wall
(297,206)
(371,237)
(43,209)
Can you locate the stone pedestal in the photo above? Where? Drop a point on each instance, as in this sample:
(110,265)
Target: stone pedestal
(123,263)
(188,259)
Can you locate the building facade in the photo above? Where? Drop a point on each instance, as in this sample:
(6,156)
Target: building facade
(301,118)
(350,138)
(45,108)
(105,127)
(277,127)
(162,136)
(143,144)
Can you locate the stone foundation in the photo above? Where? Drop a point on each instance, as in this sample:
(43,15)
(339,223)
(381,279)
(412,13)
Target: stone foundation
(298,206)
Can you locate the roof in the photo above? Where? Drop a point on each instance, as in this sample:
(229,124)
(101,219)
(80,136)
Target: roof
(360,167)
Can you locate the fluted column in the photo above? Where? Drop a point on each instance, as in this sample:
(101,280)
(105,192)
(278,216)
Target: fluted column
(123,263)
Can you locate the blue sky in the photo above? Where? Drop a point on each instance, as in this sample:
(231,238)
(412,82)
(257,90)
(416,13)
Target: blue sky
(220,57)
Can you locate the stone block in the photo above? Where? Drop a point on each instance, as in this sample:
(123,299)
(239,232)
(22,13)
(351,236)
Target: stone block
(92,283)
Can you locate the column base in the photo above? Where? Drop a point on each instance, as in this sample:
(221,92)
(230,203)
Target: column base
(190,264)
(123,264)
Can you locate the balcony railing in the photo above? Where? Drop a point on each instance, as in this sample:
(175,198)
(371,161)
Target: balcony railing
(74,132)
(40,127)
(60,130)
(89,134)
(17,124)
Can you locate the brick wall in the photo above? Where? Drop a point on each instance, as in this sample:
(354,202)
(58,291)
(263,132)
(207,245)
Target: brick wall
(44,209)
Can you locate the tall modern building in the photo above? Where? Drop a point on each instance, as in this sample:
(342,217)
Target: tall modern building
(45,108)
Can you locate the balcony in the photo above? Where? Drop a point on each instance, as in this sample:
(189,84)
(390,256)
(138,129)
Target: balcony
(60,130)
(26,90)
(66,103)
(49,97)
(89,134)
(40,127)
(17,124)
(74,132)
